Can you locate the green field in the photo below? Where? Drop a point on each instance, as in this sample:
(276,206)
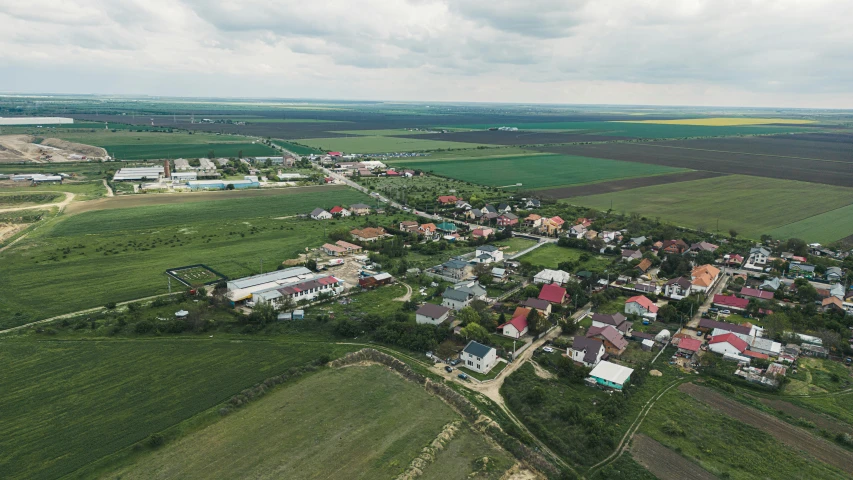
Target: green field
(297,149)
(647,130)
(83,190)
(551,255)
(725,447)
(376,144)
(66,404)
(354,422)
(750,205)
(824,228)
(26,199)
(89,259)
(229,150)
(539,171)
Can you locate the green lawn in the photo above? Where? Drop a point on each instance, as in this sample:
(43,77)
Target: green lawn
(515,244)
(377,144)
(90,259)
(539,171)
(551,255)
(354,422)
(750,205)
(83,190)
(492,373)
(724,446)
(840,406)
(817,375)
(647,130)
(826,227)
(68,403)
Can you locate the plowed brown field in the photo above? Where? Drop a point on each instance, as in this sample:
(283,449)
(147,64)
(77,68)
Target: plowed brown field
(663,462)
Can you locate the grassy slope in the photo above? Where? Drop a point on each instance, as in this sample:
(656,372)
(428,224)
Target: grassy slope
(540,171)
(122,254)
(751,205)
(551,255)
(375,144)
(724,446)
(356,422)
(68,403)
(460,455)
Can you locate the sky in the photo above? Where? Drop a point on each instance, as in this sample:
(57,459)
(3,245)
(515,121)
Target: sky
(757,53)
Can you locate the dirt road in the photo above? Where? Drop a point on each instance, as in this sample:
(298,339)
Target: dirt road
(664,463)
(407,296)
(797,438)
(109,189)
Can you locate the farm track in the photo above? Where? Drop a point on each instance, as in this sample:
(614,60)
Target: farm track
(625,184)
(665,463)
(69,197)
(795,437)
(130,201)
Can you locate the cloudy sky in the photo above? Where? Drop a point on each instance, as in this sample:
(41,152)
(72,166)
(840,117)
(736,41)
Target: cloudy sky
(791,53)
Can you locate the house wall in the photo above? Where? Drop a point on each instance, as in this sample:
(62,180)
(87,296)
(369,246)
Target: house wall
(606,383)
(431,321)
(480,365)
(512,332)
(635,308)
(723,348)
(455,305)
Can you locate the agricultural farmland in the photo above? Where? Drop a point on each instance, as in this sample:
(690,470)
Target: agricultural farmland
(752,206)
(362,144)
(537,171)
(521,137)
(355,422)
(683,155)
(646,130)
(68,403)
(723,121)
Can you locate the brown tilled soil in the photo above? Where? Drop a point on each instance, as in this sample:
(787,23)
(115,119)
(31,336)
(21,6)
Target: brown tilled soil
(796,411)
(663,462)
(794,437)
(625,184)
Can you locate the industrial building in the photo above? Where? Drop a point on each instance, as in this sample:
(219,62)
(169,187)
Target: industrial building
(222,184)
(134,174)
(298,283)
(182,165)
(35,120)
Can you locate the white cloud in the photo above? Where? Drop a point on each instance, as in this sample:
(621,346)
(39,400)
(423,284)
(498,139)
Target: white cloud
(730,52)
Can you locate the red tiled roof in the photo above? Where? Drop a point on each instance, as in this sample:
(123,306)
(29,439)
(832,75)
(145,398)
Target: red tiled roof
(519,322)
(335,154)
(644,302)
(557,220)
(730,301)
(753,292)
(691,344)
(448,199)
(644,265)
(336,209)
(553,293)
(750,353)
(731,339)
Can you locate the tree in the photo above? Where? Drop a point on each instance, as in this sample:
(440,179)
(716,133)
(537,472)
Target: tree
(705,257)
(230,186)
(797,247)
(668,314)
(536,323)
(776,324)
(263,313)
(311,264)
(211,154)
(467,316)
(733,233)
(474,331)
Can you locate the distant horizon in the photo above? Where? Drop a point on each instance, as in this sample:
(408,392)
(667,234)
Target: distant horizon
(330,100)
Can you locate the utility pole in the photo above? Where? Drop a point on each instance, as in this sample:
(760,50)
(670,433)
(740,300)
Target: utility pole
(169,278)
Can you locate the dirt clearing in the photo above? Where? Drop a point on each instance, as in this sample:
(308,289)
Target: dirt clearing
(794,437)
(665,463)
(22,148)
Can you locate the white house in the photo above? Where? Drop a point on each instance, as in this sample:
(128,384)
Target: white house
(586,351)
(455,299)
(488,254)
(757,258)
(478,357)
(642,306)
(320,214)
(432,314)
(515,328)
(727,344)
(677,288)
(552,276)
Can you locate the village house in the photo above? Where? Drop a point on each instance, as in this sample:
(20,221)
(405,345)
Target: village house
(703,247)
(359,209)
(377,280)
(448,199)
(733,260)
(507,220)
(590,234)
(499,274)
(703,277)
(676,247)
(515,328)
(454,268)
(432,314)
(730,302)
(478,357)
(615,320)
(553,293)
(755,293)
(533,220)
(334,250)
(727,344)
(320,214)
(369,234)
(348,247)
(455,299)
(688,346)
(628,255)
(541,306)
(757,258)
(504,208)
(482,232)
(532,203)
(552,276)
(642,306)
(340,211)
(614,342)
(488,254)
(637,241)
(644,266)
(677,288)
(771,284)
(552,226)
(833,274)
(463,205)
(832,303)
(473,214)
(586,351)
(427,230)
(610,375)
(577,231)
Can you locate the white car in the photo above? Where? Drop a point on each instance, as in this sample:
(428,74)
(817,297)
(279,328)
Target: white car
(547,349)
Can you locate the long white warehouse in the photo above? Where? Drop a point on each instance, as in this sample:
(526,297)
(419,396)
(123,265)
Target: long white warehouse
(35,120)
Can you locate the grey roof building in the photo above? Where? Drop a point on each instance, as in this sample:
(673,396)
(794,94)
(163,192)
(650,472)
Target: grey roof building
(477,349)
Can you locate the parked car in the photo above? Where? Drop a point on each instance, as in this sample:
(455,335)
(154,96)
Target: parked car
(547,349)
(429,354)
(455,362)
(463,376)
(448,369)
(725,312)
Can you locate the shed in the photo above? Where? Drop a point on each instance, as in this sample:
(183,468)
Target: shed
(648,344)
(610,375)
(299,314)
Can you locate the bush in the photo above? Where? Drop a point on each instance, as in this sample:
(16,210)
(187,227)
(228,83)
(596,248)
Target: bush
(156,440)
(672,429)
(144,326)
(111,306)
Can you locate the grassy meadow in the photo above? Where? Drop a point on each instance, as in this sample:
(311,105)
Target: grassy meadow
(750,205)
(89,259)
(551,255)
(539,171)
(68,403)
(354,422)
(297,148)
(824,228)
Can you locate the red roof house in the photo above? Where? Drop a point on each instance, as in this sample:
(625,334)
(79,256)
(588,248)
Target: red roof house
(750,353)
(689,345)
(730,301)
(392,173)
(445,199)
(336,154)
(514,328)
(641,303)
(553,293)
(727,343)
(755,293)
(336,209)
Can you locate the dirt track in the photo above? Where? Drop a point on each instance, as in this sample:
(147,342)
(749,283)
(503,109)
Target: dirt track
(625,184)
(794,437)
(665,463)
